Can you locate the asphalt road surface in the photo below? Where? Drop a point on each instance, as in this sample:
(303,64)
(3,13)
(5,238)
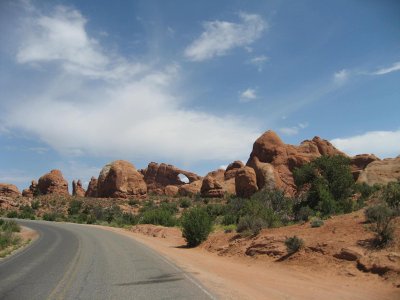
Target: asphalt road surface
(72,261)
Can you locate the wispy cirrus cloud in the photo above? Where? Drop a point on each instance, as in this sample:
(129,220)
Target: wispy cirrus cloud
(219,37)
(393,68)
(259,62)
(341,76)
(294,130)
(380,143)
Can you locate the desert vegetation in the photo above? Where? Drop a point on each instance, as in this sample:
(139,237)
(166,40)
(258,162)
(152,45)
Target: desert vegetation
(8,238)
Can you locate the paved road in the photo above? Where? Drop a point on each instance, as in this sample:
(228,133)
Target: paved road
(72,261)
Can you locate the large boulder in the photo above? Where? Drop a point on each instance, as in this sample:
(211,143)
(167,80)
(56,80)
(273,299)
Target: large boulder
(232,168)
(159,176)
(245,182)
(120,179)
(53,183)
(360,162)
(9,190)
(381,172)
(190,189)
(212,186)
(77,189)
(92,188)
(274,161)
(32,190)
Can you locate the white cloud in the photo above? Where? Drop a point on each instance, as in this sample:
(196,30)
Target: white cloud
(99,103)
(219,37)
(341,76)
(293,130)
(248,95)
(380,143)
(395,67)
(259,62)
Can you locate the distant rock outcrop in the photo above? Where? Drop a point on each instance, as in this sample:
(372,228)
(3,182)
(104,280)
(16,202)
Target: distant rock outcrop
(77,189)
(53,183)
(190,189)
(214,185)
(9,190)
(274,161)
(231,170)
(32,190)
(159,176)
(92,188)
(360,162)
(120,179)
(381,172)
(245,182)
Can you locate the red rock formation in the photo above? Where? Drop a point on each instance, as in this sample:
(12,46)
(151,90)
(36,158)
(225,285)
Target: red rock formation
(231,170)
(77,189)
(190,189)
(360,162)
(214,185)
(53,183)
(31,191)
(171,190)
(159,176)
(274,161)
(92,188)
(9,190)
(381,172)
(120,179)
(245,182)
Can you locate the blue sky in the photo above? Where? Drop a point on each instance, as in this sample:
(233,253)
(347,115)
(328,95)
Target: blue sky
(191,83)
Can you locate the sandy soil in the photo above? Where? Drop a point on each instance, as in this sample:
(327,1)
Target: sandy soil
(231,274)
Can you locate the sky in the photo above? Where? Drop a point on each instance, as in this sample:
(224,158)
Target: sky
(191,83)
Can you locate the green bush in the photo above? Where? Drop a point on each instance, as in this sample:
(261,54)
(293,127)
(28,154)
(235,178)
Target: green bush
(317,222)
(158,216)
(185,203)
(196,226)
(50,216)
(294,244)
(133,202)
(391,195)
(26,212)
(11,226)
(303,213)
(381,218)
(74,207)
(229,219)
(35,204)
(7,238)
(12,214)
(328,183)
(249,225)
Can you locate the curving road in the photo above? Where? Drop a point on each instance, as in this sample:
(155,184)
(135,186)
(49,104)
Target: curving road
(72,261)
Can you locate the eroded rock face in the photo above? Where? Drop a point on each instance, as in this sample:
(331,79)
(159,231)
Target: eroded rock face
(92,188)
(381,172)
(190,189)
(246,182)
(360,162)
(231,170)
(274,161)
(53,183)
(77,189)
(31,191)
(9,190)
(159,176)
(211,186)
(120,179)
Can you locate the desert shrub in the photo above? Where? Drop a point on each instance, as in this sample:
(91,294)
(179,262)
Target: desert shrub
(158,216)
(1,222)
(172,207)
(185,203)
(91,219)
(196,226)
(26,212)
(391,194)
(74,207)
(215,210)
(50,216)
(317,222)
(381,218)
(328,183)
(133,202)
(10,225)
(111,213)
(365,190)
(303,213)
(293,244)
(12,214)
(229,219)
(35,204)
(249,225)
(7,238)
